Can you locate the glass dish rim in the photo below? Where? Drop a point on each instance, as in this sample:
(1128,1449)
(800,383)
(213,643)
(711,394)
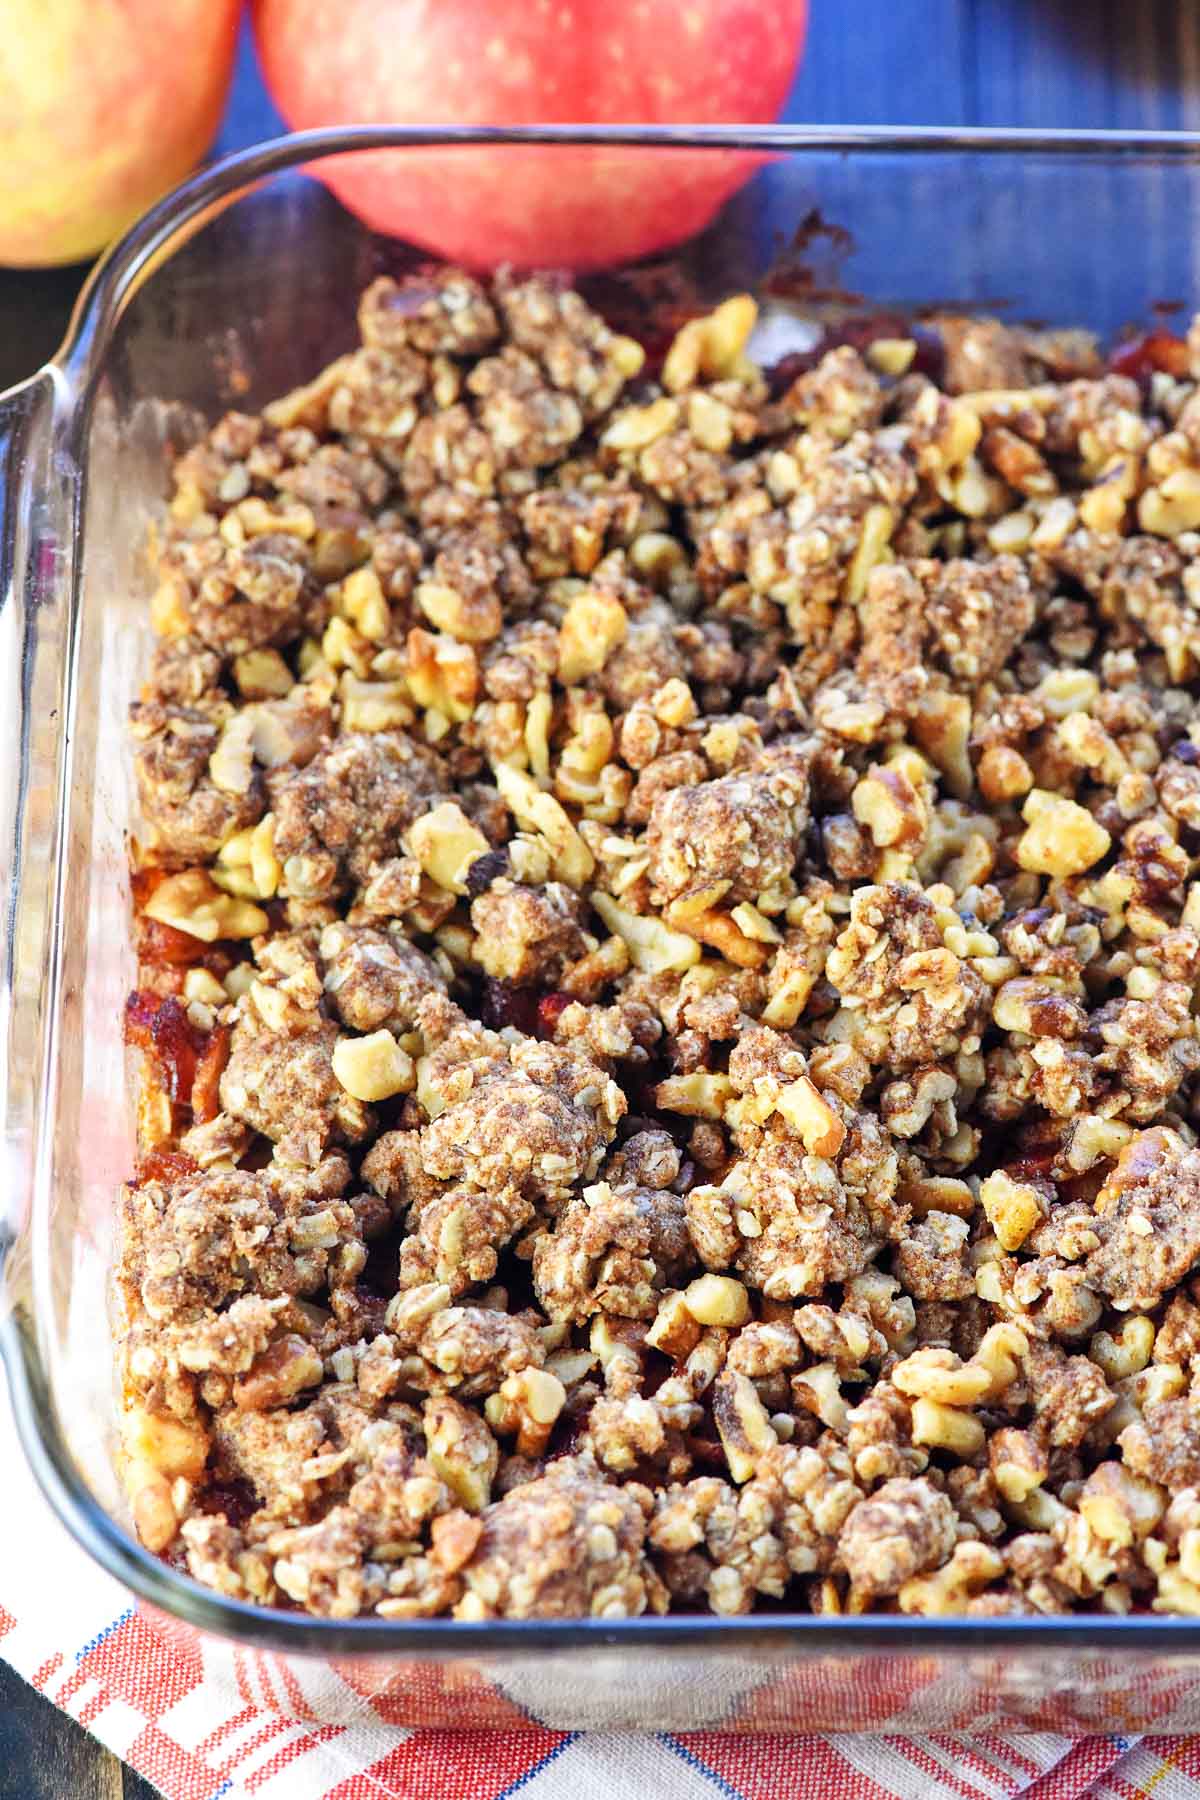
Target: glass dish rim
(73,371)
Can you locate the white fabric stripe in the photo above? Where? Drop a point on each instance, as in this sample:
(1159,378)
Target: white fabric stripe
(197,1715)
(618,1765)
(118,1726)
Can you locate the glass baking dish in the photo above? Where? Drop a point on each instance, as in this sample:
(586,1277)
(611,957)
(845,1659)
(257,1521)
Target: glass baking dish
(237,286)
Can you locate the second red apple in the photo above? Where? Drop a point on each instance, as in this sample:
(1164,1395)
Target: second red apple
(460,62)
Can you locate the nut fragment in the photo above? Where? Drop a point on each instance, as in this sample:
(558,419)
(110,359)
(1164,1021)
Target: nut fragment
(1125,1352)
(698,1096)
(933,1374)
(541,812)
(446,843)
(1061,838)
(1003,774)
(262,675)
(743,1424)
(1019,1463)
(717,1300)
(152,1504)
(946,1428)
(442,674)
(373,1067)
(231,764)
(365,605)
(713,346)
(373,705)
(461,1450)
(1000,1351)
(283,1370)
(527,1403)
(593,625)
(1013,1208)
(1172,507)
(476,621)
(811,1116)
(676,1329)
(971,1567)
(886,802)
(652,945)
(637,426)
(892,356)
(192,902)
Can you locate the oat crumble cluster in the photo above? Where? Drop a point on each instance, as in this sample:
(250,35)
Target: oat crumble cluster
(668,946)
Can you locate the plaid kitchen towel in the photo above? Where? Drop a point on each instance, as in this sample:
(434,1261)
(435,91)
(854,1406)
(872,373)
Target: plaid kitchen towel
(206,1725)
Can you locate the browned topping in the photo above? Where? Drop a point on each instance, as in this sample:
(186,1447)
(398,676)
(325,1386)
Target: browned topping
(668,940)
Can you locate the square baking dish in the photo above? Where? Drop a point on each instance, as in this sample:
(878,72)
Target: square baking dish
(236,287)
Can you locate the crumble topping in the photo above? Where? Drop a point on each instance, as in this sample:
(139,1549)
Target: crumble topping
(668,947)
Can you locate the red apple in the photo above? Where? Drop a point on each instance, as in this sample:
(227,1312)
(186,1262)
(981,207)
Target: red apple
(479,62)
(104,105)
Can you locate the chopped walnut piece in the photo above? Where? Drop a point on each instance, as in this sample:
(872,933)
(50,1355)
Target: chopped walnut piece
(1061,838)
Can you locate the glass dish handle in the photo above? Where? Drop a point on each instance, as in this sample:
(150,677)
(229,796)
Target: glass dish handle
(39,491)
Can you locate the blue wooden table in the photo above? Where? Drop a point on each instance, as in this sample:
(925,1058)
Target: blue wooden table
(1131,64)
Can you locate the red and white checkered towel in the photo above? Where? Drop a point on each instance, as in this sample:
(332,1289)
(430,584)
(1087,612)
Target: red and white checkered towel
(203,1726)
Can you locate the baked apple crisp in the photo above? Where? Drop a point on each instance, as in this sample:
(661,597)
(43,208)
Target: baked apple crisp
(668,948)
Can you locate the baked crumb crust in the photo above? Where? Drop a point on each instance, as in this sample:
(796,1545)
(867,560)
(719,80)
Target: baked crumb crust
(668,946)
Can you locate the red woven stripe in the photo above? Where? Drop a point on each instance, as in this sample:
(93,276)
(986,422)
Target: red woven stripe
(1082,1766)
(820,1692)
(180,1774)
(980,1754)
(451,1765)
(70,1688)
(136,1666)
(233,1723)
(1187,1758)
(769,1768)
(298,1707)
(262,1668)
(242,1678)
(300,1746)
(426,1695)
(44,1671)
(1176,1756)
(1010,1752)
(270,1728)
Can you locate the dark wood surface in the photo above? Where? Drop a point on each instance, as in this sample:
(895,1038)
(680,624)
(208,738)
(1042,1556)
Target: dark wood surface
(46,1756)
(1128,64)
